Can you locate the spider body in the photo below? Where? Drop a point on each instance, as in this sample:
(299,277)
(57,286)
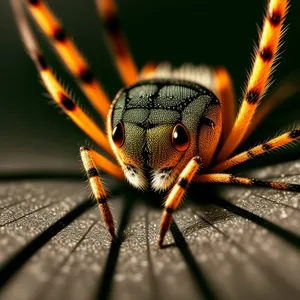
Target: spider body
(168,126)
(163,124)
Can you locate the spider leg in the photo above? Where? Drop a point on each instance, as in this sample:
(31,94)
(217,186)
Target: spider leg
(226,95)
(104,164)
(277,142)
(70,55)
(117,41)
(176,194)
(58,93)
(148,71)
(228,178)
(260,75)
(98,190)
(284,90)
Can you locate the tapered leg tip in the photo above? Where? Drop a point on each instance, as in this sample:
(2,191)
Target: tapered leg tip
(160,243)
(113,236)
(84,148)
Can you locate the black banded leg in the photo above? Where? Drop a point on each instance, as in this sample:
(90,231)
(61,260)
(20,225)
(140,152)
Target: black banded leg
(105,164)
(117,41)
(259,77)
(69,54)
(53,86)
(228,178)
(275,143)
(283,91)
(176,194)
(98,190)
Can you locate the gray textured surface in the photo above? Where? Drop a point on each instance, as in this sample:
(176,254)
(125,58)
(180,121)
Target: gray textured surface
(242,244)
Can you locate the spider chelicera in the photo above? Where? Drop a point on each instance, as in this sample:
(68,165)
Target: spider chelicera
(168,126)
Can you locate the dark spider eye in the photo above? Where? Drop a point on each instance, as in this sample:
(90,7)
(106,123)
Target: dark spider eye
(180,138)
(118,134)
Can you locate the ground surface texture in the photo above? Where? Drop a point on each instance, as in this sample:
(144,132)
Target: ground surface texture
(242,244)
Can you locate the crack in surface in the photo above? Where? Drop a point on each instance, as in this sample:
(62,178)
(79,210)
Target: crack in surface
(287,235)
(24,254)
(60,266)
(13,204)
(28,214)
(261,263)
(154,287)
(198,276)
(276,202)
(46,175)
(106,281)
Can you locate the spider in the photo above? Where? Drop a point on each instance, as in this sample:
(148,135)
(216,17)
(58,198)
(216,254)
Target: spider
(168,126)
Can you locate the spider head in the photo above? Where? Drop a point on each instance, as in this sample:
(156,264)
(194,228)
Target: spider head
(154,129)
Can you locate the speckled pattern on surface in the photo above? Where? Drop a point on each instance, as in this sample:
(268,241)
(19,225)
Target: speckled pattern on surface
(242,244)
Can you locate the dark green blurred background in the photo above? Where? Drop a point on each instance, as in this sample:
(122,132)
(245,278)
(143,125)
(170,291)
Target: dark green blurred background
(34,135)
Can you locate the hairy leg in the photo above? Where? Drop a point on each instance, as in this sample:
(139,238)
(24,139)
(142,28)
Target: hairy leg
(98,190)
(117,41)
(175,196)
(284,90)
(275,143)
(70,55)
(58,93)
(260,76)
(228,178)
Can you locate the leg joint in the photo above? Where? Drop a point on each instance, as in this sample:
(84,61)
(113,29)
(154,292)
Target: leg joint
(182,182)
(93,172)
(169,210)
(102,200)
(59,35)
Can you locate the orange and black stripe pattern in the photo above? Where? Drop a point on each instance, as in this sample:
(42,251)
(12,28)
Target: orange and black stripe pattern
(277,142)
(176,194)
(107,165)
(234,131)
(117,41)
(70,55)
(228,178)
(84,122)
(260,75)
(55,89)
(97,189)
(284,90)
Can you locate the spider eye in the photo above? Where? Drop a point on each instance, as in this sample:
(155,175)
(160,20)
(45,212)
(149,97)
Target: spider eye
(118,134)
(180,138)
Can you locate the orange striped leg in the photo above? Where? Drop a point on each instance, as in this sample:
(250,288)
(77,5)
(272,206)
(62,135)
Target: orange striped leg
(98,190)
(226,96)
(284,90)
(260,75)
(105,164)
(58,93)
(70,55)
(275,143)
(176,194)
(228,178)
(117,41)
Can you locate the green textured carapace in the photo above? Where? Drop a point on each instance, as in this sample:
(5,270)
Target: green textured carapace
(145,116)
